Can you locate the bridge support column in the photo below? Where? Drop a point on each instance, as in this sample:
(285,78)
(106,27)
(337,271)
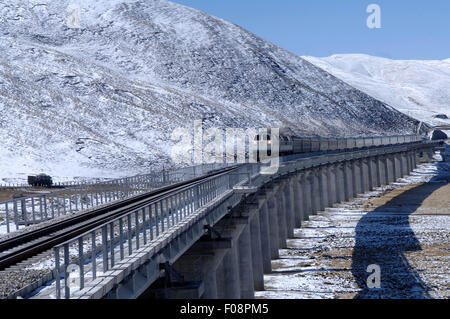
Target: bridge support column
(357,177)
(390,169)
(363,176)
(245,265)
(340,184)
(306,185)
(315,191)
(414,156)
(408,162)
(281,219)
(377,171)
(405,166)
(384,166)
(210,283)
(298,202)
(257,252)
(398,166)
(200,263)
(414,159)
(228,277)
(272,209)
(372,173)
(323,188)
(366,171)
(331,185)
(265,238)
(289,207)
(348,181)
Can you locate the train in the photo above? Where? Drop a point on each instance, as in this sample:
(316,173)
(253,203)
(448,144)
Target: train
(42,180)
(290,144)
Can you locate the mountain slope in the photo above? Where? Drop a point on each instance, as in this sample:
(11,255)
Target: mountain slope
(417,88)
(104,99)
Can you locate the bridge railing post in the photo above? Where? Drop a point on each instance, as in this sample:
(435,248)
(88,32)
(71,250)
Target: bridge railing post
(81,261)
(105,247)
(7,217)
(66,273)
(57,271)
(94,254)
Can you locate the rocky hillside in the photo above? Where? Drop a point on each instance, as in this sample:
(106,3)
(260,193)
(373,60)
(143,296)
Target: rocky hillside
(103,99)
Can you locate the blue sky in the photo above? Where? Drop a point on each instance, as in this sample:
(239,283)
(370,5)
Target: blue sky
(411,29)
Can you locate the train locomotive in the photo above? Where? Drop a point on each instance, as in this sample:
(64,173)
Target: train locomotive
(42,180)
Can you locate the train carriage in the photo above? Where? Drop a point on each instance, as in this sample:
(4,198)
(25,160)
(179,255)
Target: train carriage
(290,144)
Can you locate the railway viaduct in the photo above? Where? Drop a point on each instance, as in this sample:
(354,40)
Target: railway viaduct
(217,240)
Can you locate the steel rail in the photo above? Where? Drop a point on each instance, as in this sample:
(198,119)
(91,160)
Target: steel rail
(85,222)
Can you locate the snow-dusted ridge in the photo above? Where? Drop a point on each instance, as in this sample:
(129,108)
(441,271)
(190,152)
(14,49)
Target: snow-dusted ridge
(104,99)
(419,88)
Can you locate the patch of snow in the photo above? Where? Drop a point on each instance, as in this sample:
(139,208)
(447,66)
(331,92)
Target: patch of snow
(103,100)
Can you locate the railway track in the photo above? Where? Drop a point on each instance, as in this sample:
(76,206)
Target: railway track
(20,248)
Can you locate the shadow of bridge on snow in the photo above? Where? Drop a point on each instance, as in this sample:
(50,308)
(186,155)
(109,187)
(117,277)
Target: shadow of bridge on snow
(382,238)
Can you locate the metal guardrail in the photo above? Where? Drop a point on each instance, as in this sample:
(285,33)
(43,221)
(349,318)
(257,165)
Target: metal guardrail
(38,208)
(57,184)
(114,241)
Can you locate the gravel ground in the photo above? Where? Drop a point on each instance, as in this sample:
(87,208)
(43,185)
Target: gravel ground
(403,228)
(18,279)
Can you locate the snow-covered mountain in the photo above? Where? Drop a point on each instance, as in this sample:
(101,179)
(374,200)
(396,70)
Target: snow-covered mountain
(420,89)
(104,99)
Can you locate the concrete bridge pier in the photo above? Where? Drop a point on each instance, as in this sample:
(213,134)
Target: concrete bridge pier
(385,169)
(200,263)
(364,176)
(234,276)
(408,162)
(373,173)
(357,177)
(298,201)
(390,169)
(348,181)
(405,166)
(228,277)
(257,251)
(281,218)
(315,191)
(340,183)
(289,207)
(415,159)
(306,185)
(264,226)
(247,287)
(331,185)
(309,187)
(323,187)
(272,211)
(398,166)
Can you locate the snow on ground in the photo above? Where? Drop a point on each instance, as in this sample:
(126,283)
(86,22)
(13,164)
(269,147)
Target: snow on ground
(330,254)
(416,88)
(104,99)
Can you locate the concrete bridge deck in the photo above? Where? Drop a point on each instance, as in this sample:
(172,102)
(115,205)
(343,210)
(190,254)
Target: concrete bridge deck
(222,247)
